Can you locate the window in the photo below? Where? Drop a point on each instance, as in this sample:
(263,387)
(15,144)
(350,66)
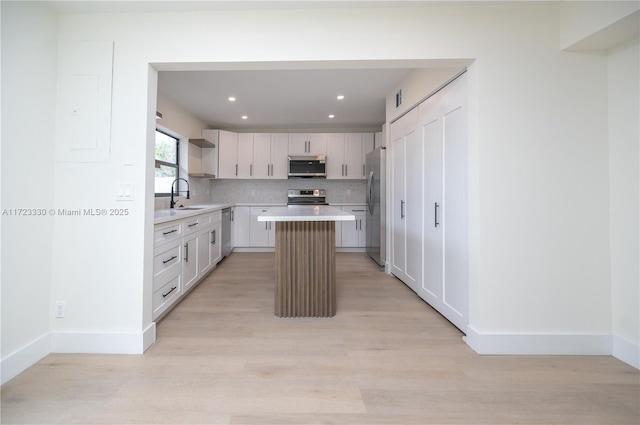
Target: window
(167,168)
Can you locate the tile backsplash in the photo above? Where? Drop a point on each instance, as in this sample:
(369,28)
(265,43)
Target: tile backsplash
(204,191)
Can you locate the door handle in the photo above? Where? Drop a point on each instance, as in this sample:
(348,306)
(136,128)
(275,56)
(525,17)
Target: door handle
(186,252)
(401,209)
(435,214)
(213,237)
(236,169)
(251,170)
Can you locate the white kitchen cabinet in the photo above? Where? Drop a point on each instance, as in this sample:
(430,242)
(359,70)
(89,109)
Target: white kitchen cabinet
(227,154)
(270,155)
(346,155)
(202,158)
(262,232)
(242,226)
(354,233)
(443,128)
(185,250)
(307,144)
(167,276)
(245,156)
(406,201)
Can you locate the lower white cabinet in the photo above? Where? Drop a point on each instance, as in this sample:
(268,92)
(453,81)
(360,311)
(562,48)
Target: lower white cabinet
(241,227)
(353,233)
(186,250)
(262,232)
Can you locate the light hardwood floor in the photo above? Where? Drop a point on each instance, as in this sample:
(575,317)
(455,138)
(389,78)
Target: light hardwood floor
(222,357)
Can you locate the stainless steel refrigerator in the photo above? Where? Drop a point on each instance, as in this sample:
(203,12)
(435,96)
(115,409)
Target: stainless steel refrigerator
(376,205)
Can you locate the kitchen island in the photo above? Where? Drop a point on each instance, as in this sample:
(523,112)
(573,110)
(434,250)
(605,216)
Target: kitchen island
(305,259)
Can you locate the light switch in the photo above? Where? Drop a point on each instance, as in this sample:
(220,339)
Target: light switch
(124,192)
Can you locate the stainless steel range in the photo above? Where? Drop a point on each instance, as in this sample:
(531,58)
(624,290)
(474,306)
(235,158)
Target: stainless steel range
(307,197)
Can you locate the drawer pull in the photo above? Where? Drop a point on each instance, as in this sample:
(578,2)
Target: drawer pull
(193,224)
(167,294)
(170,259)
(169,232)
(357,210)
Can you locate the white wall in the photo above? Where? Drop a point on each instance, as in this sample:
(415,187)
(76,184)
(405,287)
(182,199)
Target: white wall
(540,157)
(624,186)
(28,127)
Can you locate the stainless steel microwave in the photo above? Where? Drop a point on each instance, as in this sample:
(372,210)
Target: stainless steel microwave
(308,166)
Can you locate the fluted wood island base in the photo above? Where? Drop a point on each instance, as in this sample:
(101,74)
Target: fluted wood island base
(305,269)
(305,259)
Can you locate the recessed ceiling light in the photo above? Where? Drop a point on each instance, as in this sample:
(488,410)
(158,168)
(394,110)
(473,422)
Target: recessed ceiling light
(232,99)
(332,116)
(244,117)
(340,97)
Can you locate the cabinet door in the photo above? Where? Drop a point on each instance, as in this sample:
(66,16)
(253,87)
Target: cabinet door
(261,155)
(259,232)
(350,233)
(317,144)
(204,251)
(353,156)
(362,232)
(413,207)
(335,156)
(190,261)
(228,155)
(242,226)
(279,162)
(215,244)
(245,155)
(298,144)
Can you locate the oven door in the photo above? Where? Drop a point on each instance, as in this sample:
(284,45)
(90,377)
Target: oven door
(307,166)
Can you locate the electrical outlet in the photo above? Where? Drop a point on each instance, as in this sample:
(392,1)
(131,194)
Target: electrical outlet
(61,309)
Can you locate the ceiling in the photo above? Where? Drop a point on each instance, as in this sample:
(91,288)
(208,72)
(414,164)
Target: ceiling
(284,99)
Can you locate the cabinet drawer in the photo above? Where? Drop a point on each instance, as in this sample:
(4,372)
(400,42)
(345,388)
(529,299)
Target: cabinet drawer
(166,295)
(167,263)
(258,210)
(355,209)
(193,224)
(164,234)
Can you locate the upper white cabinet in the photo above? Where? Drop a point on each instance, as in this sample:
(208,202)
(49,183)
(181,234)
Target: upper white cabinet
(203,160)
(245,156)
(307,144)
(346,155)
(270,155)
(227,154)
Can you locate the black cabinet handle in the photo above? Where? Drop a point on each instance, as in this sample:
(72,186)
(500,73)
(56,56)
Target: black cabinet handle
(435,214)
(186,252)
(193,224)
(213,237)
(401,209)
(172,289)
(172,258)
(169,232)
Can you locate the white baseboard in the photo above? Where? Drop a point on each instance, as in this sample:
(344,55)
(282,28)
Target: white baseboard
(626,351)
(103,343)
(538,344)
(19,361)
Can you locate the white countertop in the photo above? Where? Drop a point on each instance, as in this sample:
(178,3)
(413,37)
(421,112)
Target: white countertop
(306,213)
(169,214)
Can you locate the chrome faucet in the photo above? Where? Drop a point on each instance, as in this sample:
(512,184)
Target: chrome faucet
(173,203)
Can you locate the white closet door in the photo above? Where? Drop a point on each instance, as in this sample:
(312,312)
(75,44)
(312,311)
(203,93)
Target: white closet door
(432,139)
(397,200)
(456,290)
(414,207)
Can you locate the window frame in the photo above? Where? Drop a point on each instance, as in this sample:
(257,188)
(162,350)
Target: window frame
(166,163)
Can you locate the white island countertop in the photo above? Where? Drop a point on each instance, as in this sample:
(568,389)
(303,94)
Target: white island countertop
(306,213)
